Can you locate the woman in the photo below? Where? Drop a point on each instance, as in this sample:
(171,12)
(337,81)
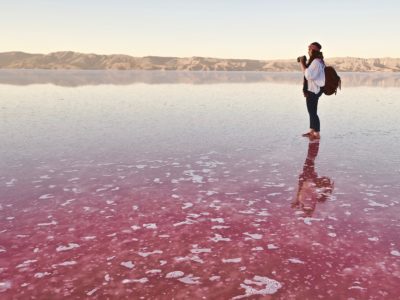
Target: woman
(314,81)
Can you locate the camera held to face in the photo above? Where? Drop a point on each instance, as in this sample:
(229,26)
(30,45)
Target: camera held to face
(300,58)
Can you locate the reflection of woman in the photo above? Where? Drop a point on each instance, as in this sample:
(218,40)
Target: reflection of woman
(312,189)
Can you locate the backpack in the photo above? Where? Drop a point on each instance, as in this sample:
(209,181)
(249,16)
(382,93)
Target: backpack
(332,81)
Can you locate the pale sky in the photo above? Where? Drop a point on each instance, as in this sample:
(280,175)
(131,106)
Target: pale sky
(252,29)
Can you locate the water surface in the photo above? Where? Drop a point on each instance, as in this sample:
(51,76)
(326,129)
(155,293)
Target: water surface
(129,185)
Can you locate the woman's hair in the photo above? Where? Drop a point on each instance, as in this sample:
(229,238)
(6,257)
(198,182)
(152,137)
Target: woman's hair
(315,54)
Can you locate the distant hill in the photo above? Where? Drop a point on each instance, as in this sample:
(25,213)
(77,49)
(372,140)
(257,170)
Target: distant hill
(75,60)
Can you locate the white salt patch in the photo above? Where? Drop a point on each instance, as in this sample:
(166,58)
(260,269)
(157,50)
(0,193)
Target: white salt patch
(90,293)
(210,193)
(2,250)
(5,285)
(73,179)
(373,203)
(128,264)
(48,224)
(373,239)
(272,247)
(67,202)
(110,258)
(174,274)
(198,250)
(247,212)
(10,218)
(154,271)
(135,227)
(141,166)
(135,207)
(355,287)
(254,236)
(270,286)
(395,253)
(274,194)
(141,280)
(190,279)
(41,275)
(195,178)
(145,254)
(257,249)
(189,258)
(11,182)
(332,234)
(107,277)
(308,220)
(219,238)
(263,213)
(219,220)
(150,226)
(214,278)
(163,262)
(46,196)
(89,238)
(187,205)
(26,263)
(175,196)
(232,260)
(187,222)
(164,236)
(220,227)
(66,248)
(295,261)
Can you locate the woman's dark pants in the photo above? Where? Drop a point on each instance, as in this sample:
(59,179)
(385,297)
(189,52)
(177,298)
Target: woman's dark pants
(312,106)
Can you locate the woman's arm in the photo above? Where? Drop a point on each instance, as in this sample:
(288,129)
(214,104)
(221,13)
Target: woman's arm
(313,71)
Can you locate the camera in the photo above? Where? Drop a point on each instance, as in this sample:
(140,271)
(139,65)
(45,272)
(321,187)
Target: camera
(301,57)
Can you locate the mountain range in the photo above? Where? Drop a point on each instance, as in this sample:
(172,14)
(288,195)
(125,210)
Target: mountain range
(76,60)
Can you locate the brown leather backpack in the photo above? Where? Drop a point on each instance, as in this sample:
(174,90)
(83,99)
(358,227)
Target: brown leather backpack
(332,81)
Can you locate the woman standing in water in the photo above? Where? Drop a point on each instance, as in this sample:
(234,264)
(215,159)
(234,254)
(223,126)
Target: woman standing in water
(314,81)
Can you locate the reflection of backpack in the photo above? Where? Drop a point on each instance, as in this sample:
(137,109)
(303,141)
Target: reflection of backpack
(332,81)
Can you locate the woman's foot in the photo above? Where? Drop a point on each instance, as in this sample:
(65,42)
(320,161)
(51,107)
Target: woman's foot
(314,136)
(308,134)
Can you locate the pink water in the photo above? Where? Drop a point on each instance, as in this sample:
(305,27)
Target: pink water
(182,191)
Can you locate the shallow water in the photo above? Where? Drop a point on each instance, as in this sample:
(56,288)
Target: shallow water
(204,189)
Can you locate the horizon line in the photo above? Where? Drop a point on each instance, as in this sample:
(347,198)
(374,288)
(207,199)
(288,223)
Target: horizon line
(193,56)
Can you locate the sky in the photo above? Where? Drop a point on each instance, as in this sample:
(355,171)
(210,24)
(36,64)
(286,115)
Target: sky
(243,29)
